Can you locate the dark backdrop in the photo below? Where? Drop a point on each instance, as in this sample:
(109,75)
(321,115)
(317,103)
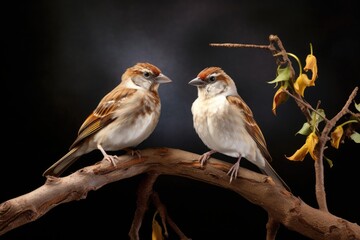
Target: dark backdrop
(61,57)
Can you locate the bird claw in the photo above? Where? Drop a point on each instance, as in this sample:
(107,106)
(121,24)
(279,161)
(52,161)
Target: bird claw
(233,171)
(134,152)
(111,159)
(203,158)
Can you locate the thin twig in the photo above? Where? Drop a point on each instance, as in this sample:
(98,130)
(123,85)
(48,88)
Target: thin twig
(239,45)
(306,104)
(355,115)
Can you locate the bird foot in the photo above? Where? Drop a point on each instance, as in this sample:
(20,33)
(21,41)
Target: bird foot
(133,152)
(111,159)
(233,171)
(203,158)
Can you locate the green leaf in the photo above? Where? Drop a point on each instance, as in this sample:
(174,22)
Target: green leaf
(305,130)
(330,162)
(357,106)
(317,117)
(356,137)
(283,74)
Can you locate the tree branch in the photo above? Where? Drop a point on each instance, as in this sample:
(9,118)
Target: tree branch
(259,189)
(166,218)
(306,104)
(145,190)
(324,138)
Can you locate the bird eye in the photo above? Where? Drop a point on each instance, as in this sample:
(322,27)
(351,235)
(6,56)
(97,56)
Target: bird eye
(212,79)
(146,74)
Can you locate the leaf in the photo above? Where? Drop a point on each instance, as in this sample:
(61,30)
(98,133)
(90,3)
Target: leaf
(156,230)
(311,65)
(309,147)
(300,154)
(336,136)
(311,141)
(305,130)
(357,106)
(355,137)
(318,116)
(329,161)
(280,97)
(283,74)
(301,83)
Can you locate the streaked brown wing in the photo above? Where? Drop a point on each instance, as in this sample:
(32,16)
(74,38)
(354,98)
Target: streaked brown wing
(103,114)
(250,124)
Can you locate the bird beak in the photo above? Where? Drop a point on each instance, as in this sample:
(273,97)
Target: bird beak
(197,82)
(162,79)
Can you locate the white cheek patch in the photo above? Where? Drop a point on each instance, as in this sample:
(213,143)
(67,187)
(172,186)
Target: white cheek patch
(216,88)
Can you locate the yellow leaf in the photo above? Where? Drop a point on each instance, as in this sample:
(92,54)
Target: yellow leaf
(280,97)
(301,83)
(156,230)
(311,141)
(308,147)
(311,64)
(336,136)
(300,154)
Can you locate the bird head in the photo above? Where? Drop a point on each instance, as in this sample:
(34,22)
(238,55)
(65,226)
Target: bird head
(213,81)
(144,76)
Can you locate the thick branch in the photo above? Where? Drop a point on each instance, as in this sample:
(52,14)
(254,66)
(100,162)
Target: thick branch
(145,190)
(281,205)
(272,227)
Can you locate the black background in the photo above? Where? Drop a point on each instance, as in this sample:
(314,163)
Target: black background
(61,57)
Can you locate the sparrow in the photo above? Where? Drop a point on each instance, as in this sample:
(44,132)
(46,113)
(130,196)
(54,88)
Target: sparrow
(124,117)
(225,123)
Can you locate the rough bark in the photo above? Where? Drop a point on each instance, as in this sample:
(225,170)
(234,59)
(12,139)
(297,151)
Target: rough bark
(281,205)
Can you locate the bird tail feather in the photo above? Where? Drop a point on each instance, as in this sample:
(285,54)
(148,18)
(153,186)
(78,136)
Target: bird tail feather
(268,170)
(62,164)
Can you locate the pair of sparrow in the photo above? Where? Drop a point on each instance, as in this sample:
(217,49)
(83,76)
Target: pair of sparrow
(128,114)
